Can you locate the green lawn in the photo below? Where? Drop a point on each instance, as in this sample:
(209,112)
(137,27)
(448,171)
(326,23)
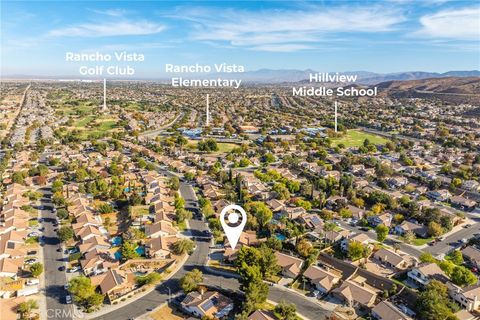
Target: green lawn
(419,241)
(107,125)
(355,138)
(84,121)
(223,147)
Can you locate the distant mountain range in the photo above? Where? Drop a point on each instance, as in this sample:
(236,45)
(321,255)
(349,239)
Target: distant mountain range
(364,77)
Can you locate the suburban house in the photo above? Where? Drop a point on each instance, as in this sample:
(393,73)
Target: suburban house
(397,182)
(471,185)
(390,259)
(210,304)
(293,212)
(334,236)
(291,266)
(423,273)
(467,297)
(114,283)
(406,226)
(160,229)
(160,247)
(463,203)
(321,279)
(439,195)
(262,315)
(360,237)
(472,255)
(384,218)
(355,294)
(386,310)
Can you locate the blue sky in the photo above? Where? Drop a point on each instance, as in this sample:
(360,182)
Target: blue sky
(386,36)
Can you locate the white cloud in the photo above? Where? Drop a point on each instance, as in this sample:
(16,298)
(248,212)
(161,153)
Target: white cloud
(107,29)
(110,12)
(458,24)
(286,30)
(289,47)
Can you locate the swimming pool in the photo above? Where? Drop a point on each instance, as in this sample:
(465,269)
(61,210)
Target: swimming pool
(118,255)
(116,241)
(280,236)
(140,250)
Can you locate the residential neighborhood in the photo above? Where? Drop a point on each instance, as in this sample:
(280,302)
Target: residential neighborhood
(239,160)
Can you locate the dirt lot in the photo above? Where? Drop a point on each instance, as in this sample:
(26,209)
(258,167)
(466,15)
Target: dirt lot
(166,313)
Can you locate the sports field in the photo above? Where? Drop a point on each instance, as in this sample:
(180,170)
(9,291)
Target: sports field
(355,138)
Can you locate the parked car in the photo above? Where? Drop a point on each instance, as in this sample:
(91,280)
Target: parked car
(68,299)
(61,268)
(32,282)
(74,269)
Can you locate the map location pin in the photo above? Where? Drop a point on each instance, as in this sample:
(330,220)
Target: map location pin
(234,223)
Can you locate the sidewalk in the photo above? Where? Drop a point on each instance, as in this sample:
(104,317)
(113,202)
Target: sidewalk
(108,308)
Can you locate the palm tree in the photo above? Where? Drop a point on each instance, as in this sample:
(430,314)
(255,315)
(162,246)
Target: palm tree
(25,308)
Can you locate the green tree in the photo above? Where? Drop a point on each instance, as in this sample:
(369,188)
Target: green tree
(105,208)
(409,237)
(355,250)
(65,233)
(26,307)
(81,174)
(62,213)
(433,303)
(304,247)
(382,232)
(461,276)
(174,183)
(84,292)
(183,246)
(281,190)
(262,213)
(36,269)
(427,257)
(128,250)
(190,281)
(456,257)
(285,311)
(57,186)
(256,293)
(434,229)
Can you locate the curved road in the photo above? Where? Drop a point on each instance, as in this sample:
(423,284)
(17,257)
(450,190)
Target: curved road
(198,260)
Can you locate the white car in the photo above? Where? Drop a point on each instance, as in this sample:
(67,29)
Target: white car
(74,269)
(68,299)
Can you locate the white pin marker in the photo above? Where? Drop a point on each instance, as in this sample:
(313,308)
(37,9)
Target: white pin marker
(233,227)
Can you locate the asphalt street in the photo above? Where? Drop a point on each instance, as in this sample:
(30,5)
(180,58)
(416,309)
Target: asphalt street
(52,260)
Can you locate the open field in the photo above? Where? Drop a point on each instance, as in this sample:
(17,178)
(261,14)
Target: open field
(355,138)
(223,147)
